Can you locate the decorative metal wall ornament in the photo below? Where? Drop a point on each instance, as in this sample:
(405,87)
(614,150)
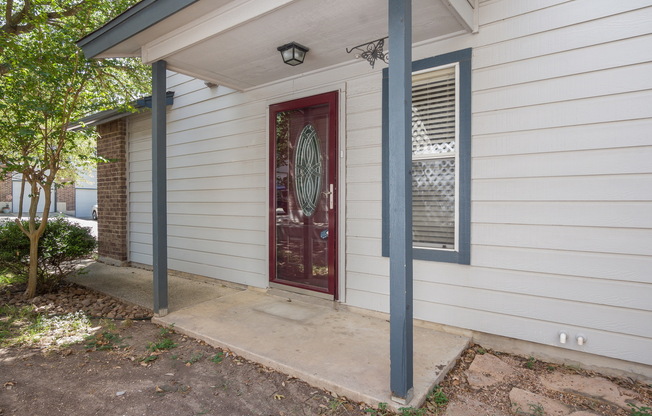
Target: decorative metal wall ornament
(371,51)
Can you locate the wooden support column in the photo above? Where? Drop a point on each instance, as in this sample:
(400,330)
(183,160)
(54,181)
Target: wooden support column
(400,200)
(159,189)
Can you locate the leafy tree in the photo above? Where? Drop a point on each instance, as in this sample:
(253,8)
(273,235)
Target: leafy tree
(46,83)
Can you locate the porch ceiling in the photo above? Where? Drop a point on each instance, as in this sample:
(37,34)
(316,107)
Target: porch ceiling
(233,42)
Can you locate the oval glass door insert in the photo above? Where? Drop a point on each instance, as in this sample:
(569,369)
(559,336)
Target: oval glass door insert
(308,170)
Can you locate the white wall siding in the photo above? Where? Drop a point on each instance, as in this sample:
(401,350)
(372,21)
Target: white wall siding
(216,184)
(562,181)
(561,235)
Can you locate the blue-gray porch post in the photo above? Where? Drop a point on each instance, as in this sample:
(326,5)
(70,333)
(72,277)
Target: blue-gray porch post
(400,199)
(159,189)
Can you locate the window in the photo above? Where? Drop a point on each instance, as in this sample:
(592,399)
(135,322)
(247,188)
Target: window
(441,156)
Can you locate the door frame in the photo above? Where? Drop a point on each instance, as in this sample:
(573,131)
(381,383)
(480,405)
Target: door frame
(332,98)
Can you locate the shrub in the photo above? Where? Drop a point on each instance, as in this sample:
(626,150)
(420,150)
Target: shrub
(62,243)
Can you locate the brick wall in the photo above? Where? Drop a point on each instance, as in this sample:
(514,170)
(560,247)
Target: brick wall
(112,192)
(66,194)
(5,189)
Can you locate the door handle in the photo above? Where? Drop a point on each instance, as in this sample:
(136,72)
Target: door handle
(329,194)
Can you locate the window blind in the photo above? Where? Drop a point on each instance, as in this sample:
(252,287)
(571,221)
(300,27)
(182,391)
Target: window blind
(433,158)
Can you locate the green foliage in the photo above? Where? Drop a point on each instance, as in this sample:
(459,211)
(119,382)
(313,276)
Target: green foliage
(218,358)
(529,364)
(47,83)
(166,330)
(639,411)
(62,243)
(164,344)
(13,320)
(382,410)
(438,397)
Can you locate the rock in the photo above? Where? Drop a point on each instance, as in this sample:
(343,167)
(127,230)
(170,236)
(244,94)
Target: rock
(596,388)
(530,403)
(467,406)
(487,370)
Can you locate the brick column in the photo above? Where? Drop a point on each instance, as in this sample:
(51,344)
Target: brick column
(112,192)
(5,191)
(66,194)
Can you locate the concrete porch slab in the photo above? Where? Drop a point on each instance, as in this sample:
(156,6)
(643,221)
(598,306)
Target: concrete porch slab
(323,343)
(136,286)
(327,346)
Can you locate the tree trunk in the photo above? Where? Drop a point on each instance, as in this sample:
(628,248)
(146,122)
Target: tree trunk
(22,196)
(35,234)
(32,281)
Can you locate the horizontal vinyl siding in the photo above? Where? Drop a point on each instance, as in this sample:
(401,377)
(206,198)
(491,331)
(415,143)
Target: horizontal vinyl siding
(561,181)
(216,169)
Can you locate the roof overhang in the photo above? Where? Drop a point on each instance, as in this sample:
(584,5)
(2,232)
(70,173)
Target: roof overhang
(106,116)
(234,42)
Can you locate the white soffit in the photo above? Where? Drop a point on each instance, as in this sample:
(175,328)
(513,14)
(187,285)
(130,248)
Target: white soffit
(234,43)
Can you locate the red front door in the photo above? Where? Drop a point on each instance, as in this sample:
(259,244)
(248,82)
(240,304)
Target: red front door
(303,193)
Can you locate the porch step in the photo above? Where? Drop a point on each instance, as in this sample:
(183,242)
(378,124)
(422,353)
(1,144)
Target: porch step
(329,347)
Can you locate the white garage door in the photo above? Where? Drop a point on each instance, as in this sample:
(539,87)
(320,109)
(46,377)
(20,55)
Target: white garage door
(26,199)
(84,201)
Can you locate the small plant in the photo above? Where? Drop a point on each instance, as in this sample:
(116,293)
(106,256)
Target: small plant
(149,358)
(529,364)
(411,411)
(639,411)
(166,330)
(194,358)
(335,404)
(164,344)
(60,246)
(218,358)
(380,411)
(438,397)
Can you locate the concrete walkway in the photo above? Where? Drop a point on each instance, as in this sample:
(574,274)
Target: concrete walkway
(322,343)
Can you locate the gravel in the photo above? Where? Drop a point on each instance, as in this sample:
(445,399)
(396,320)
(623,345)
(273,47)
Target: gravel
(72,298)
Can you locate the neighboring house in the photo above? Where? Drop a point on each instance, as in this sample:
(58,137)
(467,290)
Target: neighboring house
(531,172)
(76,199)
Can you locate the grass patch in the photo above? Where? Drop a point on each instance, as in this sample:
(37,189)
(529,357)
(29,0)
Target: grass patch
(8,279)
(218,358)
(13,322)
(639,411)
(23,326)
(164,344)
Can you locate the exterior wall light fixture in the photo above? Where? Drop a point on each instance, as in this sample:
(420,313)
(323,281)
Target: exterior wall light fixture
(293,53)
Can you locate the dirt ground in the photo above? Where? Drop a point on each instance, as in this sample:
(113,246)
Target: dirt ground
(190,378)
(133,367)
